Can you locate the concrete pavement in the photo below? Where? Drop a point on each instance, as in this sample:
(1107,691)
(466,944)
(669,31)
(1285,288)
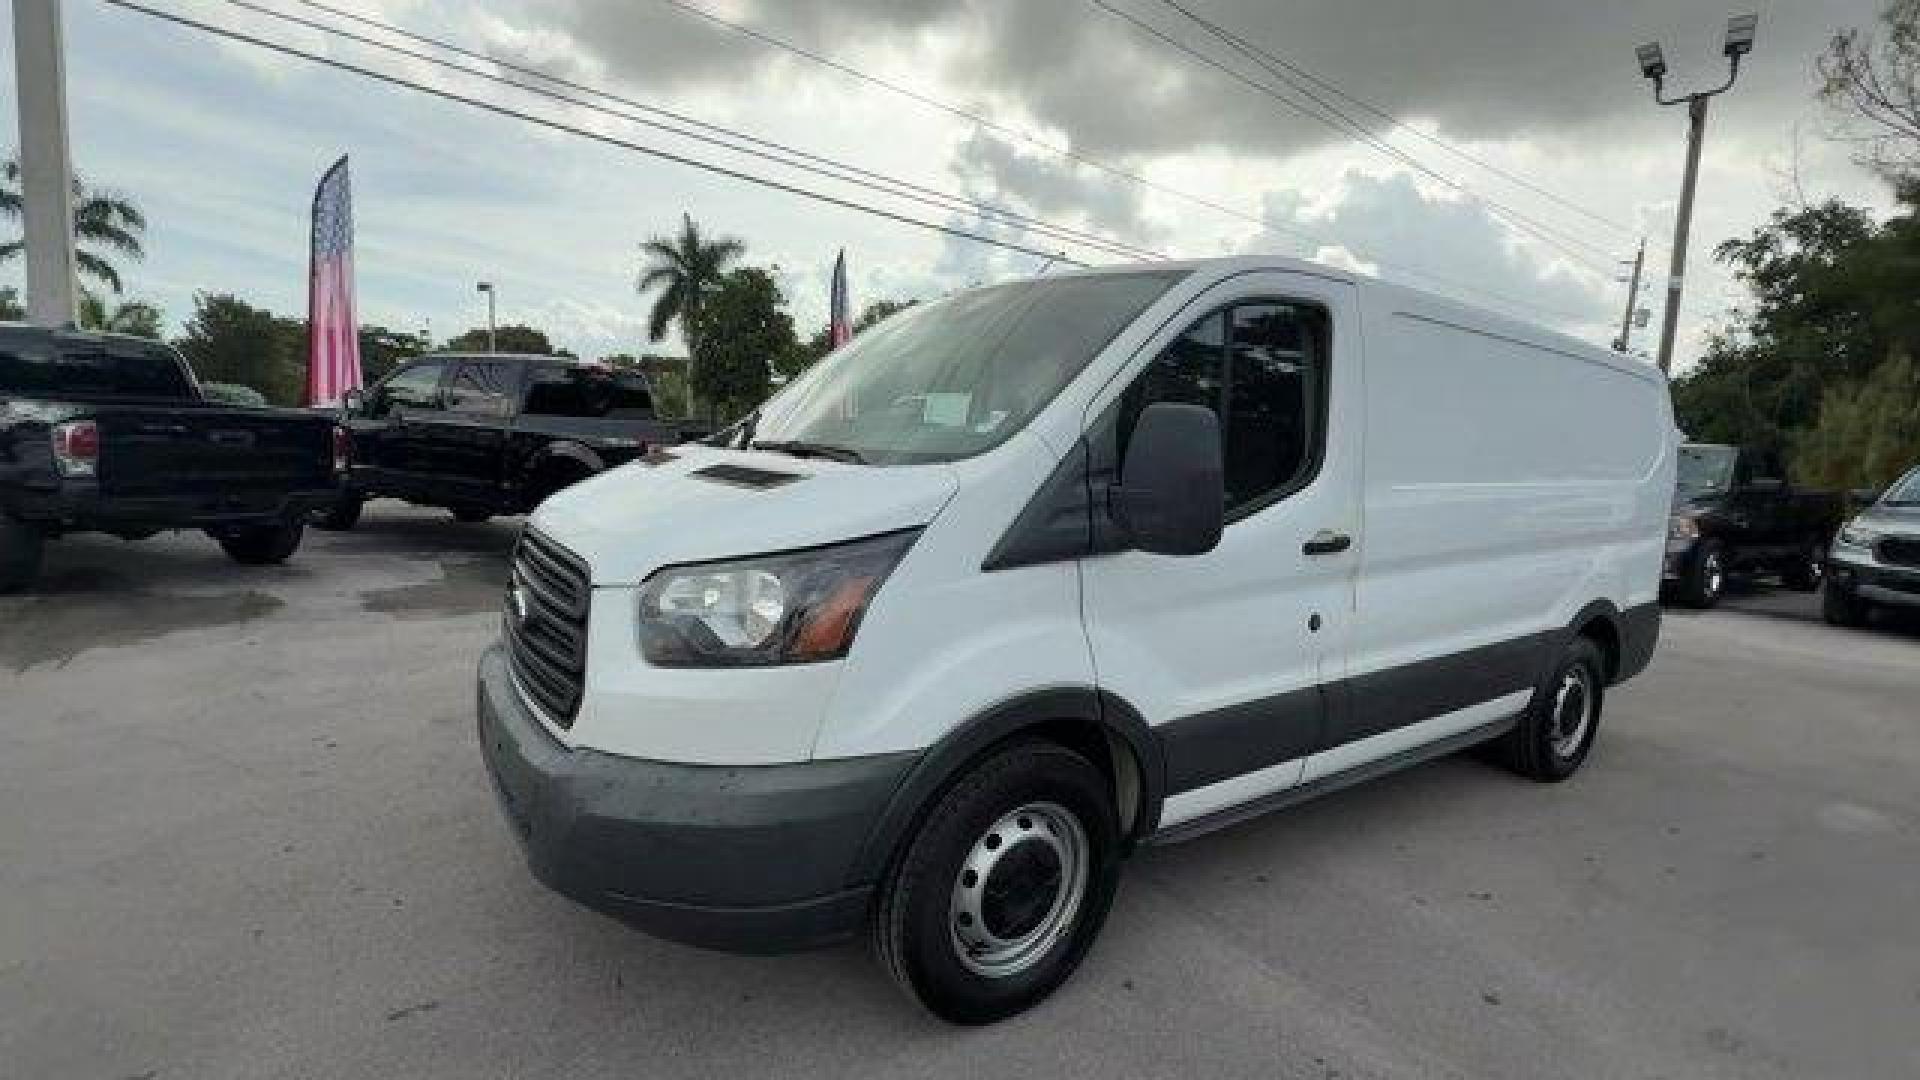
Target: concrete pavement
(244,832)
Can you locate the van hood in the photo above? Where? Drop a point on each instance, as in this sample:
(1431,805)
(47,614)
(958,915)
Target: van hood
(698,504)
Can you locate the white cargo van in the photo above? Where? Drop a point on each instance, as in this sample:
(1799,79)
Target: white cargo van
(1024,578)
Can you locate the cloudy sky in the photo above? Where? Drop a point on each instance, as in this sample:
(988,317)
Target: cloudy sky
(1531,157)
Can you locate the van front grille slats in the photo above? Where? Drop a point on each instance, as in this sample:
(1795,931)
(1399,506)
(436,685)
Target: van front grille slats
(548,598)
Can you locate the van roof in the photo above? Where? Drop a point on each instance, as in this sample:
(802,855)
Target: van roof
(1406,298)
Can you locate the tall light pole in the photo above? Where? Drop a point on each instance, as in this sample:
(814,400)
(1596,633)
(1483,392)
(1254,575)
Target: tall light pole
(46,170)
(1653,66)
(493,343)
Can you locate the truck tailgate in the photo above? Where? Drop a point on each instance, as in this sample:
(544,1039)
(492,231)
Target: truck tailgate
(238,454)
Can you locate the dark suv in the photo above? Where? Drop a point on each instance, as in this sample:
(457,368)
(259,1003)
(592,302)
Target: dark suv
(493,433)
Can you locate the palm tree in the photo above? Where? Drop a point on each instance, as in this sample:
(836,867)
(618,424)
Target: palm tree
(102,221)
(685,268)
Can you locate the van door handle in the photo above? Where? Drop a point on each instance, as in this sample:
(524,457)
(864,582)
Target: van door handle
(1326,542)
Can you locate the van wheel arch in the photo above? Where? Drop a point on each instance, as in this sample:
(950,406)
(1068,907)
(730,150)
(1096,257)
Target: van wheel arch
(1099,726)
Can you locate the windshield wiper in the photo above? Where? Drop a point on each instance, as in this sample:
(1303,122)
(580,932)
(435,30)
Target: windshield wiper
(800,448)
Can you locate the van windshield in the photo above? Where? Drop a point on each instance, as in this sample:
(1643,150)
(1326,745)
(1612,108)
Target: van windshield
(957,377)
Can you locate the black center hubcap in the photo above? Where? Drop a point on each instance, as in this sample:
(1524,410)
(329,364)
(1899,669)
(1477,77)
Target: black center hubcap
(1021,889)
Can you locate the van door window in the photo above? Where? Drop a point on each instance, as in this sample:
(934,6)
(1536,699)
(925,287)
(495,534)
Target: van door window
(1272,401)
(1260,367)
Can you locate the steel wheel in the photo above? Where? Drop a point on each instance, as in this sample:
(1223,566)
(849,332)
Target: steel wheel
(1572,712)
(1019,889)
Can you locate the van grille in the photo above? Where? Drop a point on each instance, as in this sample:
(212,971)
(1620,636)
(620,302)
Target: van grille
(1900,550)
(546,625)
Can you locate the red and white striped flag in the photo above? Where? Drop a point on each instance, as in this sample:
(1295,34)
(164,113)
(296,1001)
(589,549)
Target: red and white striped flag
(839,317)
(333,333)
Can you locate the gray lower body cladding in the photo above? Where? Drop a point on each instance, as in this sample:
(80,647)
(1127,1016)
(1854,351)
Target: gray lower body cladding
(747,859)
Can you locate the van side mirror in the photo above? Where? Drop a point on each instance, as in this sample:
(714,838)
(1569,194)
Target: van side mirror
(1171,499)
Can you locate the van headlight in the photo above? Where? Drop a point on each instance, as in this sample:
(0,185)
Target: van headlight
(794,607)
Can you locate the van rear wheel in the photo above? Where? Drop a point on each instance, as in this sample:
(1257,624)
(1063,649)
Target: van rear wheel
(997,896)
(1553,736)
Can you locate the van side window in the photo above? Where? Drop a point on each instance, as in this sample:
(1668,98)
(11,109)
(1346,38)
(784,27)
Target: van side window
(1260,366)
(1272,401)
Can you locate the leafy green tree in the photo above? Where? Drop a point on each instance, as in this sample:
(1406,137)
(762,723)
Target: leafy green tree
(105,224)
(687,270)
(228,340)
(744,329)
(134,317)
(511,338)
(1868,431)
(382,350)
(10,309)
(1833,297)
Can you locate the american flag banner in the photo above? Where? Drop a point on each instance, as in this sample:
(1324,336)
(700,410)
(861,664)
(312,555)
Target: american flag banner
(839,318)
(333,333)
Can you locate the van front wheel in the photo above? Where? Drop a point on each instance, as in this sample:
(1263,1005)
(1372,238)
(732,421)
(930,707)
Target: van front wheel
(997,897)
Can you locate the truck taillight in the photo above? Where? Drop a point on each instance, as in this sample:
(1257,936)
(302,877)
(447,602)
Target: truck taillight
(342,450)
(76,447)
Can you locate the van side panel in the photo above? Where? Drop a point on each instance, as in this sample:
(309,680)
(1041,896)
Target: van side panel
(1511,479)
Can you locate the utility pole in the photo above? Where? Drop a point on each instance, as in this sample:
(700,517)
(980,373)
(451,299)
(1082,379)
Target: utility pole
(46,169)
(1653,66)
(493,341)
(1633,298)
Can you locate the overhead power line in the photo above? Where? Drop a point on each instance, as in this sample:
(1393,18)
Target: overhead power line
(1338,121)
(679,123)
(585,133)
(1393,121)
(1015,134)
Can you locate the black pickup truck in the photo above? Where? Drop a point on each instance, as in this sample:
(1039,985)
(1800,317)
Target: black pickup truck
(493,433)
(1734,512)
(105,433)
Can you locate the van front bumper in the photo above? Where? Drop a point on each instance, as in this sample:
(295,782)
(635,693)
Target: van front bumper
(747,859)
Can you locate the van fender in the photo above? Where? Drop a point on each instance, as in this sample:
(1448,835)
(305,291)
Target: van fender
(1626,637)
(1079,707)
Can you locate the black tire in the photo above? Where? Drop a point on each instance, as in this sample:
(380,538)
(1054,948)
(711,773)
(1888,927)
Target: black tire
(471,515)
(915,930)
(1842,608)
(1705,577)
(342,516)
(1550,742)
(1807,569)
(22,547)
(262,545)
